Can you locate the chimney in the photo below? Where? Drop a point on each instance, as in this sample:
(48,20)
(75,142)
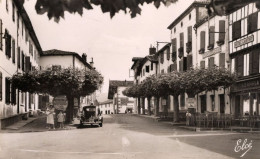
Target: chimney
(152,50)
(91,63)
(84,57)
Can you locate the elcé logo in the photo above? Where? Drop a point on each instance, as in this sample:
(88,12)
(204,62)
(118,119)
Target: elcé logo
(243,146)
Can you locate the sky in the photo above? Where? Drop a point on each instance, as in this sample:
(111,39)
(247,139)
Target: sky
(111,42)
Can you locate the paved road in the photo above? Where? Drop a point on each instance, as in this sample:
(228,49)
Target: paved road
(123,137)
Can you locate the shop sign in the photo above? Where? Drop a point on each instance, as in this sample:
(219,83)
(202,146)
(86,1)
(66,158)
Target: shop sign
(244,41)
(190,102)
(212,52)
(60,103)
(246,85)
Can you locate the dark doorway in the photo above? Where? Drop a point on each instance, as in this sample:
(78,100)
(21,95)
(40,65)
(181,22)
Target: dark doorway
(222,103)
(203,103)
(237,106)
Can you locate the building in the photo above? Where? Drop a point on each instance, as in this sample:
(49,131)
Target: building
(106,107)
(19,51)
(244,42)
(65,59)
(121,103)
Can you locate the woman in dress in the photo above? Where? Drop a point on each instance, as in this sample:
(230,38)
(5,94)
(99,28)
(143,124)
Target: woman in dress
(50,117)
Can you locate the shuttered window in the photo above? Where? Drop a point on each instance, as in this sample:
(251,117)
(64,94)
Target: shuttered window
(236,30)
(23,63)
(181,40)
(13,12)
(13,51)
(7,91)
(184,63)
(1,86)
(211,63)
(252,21)
(202,64)
(239,65)
(162,57)
(190,34)
(254,62)
(222,60)
(147,69)
(174,45)
(189,62)
(1,33)
(18,57)
(222,31)
(151,66)
(27,63)
(168,53)
(211,35)
(181,65)
(202,39)
(8,44)
(13,95)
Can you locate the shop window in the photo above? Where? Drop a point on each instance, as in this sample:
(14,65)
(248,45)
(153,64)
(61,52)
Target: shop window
(236,30)
(7,90)
(246,64)
(13,51)
(1,34)
(1,86)
(252,21)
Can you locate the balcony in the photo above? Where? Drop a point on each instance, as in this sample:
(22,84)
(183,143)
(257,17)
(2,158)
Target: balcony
(188,47)
(181,53)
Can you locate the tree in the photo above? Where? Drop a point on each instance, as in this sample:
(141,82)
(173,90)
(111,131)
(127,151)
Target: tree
(56,8)
(71,82)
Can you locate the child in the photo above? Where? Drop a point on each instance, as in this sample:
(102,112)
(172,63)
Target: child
(61,119)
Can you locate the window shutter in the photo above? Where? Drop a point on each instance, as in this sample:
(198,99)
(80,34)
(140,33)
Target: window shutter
(13,51)
(23,63)
(7,91)
(168,53)
(221,29)
(202,64)
(189,34)
(252,22)
(174,45)
(151,66)
(211,62)
(189,62)
(222,60)
(181,40)
(27,63)
(1,86)
(181,65)
(184,63)
(18,58)
(239,63)
(253,62)
(236,30)
(202,40)
(147,69)
(175,66)
(1,33)
(13,95)
(211,35)
(7,44)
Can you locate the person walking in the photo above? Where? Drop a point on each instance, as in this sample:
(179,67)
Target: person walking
(50,116)
(61,119)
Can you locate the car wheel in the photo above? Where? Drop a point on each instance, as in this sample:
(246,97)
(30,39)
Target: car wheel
(100,124)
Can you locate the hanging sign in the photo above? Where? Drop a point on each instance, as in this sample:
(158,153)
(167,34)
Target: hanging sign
(60,103)
(244,41)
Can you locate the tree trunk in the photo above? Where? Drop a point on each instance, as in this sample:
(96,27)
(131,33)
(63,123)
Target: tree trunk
(139,105)
(69,111)
(176,109)
(143,106)
(149,105)
(157,106)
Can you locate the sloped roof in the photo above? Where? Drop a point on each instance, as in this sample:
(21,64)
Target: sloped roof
(114,84)
(55,52)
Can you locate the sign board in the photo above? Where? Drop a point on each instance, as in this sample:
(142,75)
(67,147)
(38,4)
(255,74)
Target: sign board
(212,52)
(190,102)
(60,103)
(244,41)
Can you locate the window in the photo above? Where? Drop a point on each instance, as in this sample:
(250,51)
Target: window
(236,30)
(13,51)
(174,49)
(174,30)
(246,64)
(162,57)
(13,12)
(190,16)
(189,29)
(26,35)
(202,40)
(1,86)
(30,48)
(181,39)
(221,37)
(239,65)
(13,95)
(252,22)
(1,35)
(254,62)
(143,72)
(7,90)
(23,64)
(211,37)
(8,44)
(18,57)
(18,21)
(189,62)
(181,24)
(151,66)
(211,63)
(202,64)
(147,69)
(168,53)
(222,60)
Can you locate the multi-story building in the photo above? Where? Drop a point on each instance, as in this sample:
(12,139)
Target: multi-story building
(19,51)
(121,103)
(66,59)
(244,42)
(106,107)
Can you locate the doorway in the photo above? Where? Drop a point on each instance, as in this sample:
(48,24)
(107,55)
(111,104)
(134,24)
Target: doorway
(222,103)
(237,106)
(203,103)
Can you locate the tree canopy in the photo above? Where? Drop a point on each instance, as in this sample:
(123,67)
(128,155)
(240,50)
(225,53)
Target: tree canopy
(56,8)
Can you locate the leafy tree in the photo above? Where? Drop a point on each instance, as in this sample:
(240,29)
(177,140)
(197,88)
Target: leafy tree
(71,82)
(56,8)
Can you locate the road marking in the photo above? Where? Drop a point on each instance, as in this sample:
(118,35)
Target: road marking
(196,135)
(78,152)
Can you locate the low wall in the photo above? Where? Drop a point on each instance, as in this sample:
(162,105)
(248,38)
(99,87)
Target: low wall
(12,119)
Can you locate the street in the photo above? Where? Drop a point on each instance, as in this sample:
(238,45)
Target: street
(125,136)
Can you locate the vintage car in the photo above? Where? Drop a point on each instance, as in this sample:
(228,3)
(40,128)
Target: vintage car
(89,116)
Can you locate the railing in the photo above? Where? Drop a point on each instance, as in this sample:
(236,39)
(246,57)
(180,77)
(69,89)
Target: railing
(215,120)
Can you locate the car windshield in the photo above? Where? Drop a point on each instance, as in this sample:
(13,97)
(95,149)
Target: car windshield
(90,109)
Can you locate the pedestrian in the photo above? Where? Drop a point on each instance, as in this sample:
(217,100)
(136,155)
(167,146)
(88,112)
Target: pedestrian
(61,119)
(188,118)
(50,116)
